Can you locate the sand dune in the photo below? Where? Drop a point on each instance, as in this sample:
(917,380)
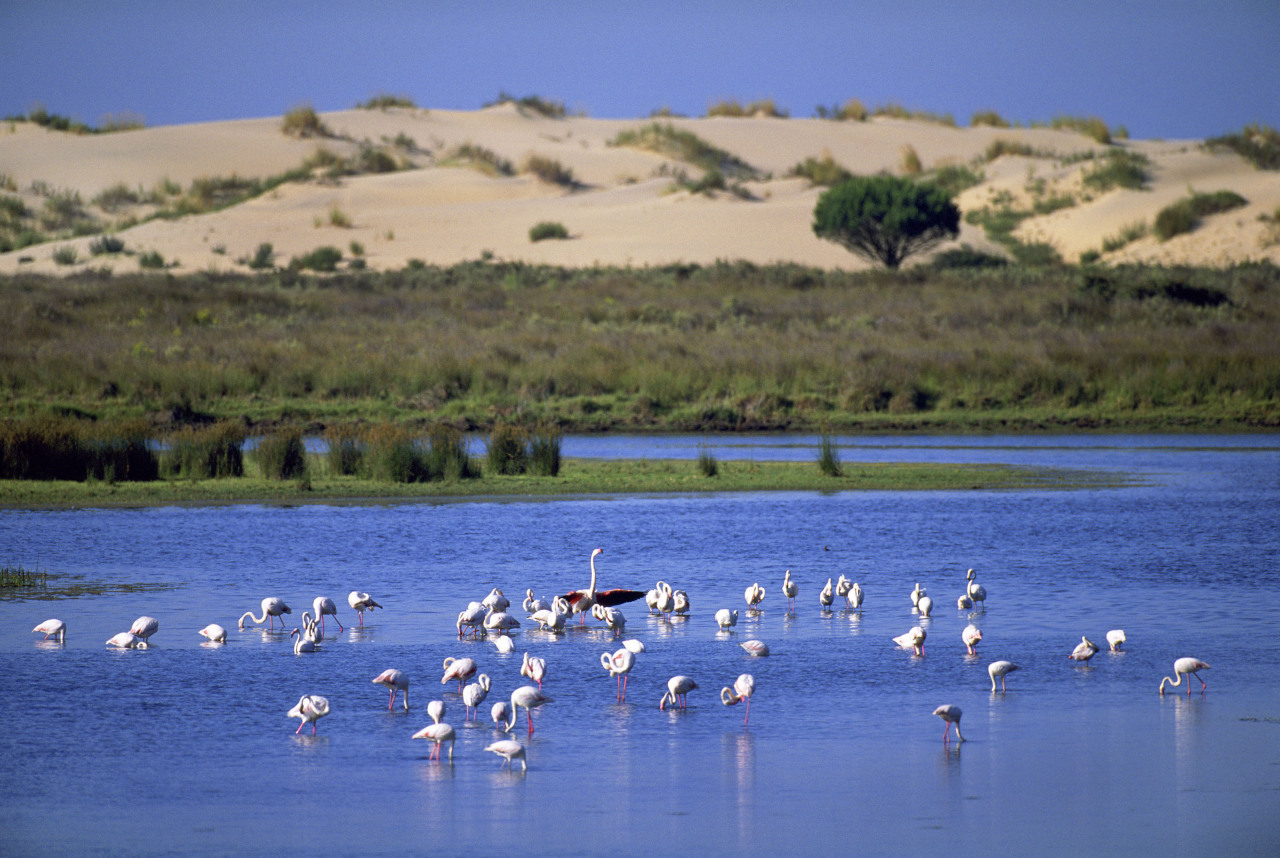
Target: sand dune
(624,210)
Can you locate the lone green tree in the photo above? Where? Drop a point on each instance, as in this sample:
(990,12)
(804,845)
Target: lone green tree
(886,218)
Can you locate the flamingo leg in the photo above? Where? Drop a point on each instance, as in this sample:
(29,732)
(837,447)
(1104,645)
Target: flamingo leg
(744,720)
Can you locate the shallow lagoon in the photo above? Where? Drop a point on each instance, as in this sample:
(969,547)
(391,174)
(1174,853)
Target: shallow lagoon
(185,748)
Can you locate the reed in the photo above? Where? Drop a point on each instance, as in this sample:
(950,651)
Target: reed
(345,448)
(282,455)
(53,448)
(507,451)
(708,466)
(544,451)
(20,576)
(205,452)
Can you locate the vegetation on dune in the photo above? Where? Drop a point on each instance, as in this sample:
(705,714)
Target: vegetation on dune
(1259,144)
(385,101)
(111,123)
(665,139)
(303,121)
(530,104)
(546,229)
(1119,168)
(478,157)
(886,219)
(1184,215)
(762,108)
(681,347)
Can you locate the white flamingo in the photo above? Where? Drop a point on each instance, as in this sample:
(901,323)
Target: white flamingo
(532,604)
(754,596)
(964,603)
(324,605)
(827,597)
(474,694)
(306,641)
(435,711)
(678,688)
(534,667)
(472,618)
(950,714)
(726,619)
(500,622)
(528,698)
(504,644)
(396,680)
(549,620)
(666,600)
(611,617)
(634,645)
(619,665)
(496,601)
(756,649)
(311,708)
(843,586)
(743,687)
(971,635)
(53,628)
(791,589)
(913,639)
(916,594)
(681,603)
(925,605)
(509,749)
(1084,650)
(975,590)
(1187,667)
(498,712)
(145,627)
(459,669)
(999,669)
(214,633)
(1115,639)
(361,602)
(855,597)
(127,640)
(438,733)
(272,607)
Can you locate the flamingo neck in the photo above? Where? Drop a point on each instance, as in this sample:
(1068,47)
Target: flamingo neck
(1173,683)
(591,591)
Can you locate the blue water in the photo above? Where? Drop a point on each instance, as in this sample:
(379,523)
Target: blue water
(185,748)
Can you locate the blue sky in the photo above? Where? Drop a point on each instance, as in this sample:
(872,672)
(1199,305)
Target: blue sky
(1168,69)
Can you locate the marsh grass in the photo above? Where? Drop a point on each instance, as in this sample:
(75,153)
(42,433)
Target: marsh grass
(20,576)
(405,455)
(205,452)
(829,456)
(507,450)
(281,455)
(544,443)
(345,447)
(708,466)
(53,448)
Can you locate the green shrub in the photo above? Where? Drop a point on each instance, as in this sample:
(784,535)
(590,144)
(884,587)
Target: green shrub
(1184,215)
(106,244)
(117,197)
(965,257)
(1128,234)
(533,103)
(549,170)
(821,171)
(547,229)
(886,218)
(1000,147)
(151,259)
(303,121)
(482,159)
(955,178)
(1120,168)
(282,455)
(1258,144)
(1090,126)
(665,139)
(66,449)
(324,258)
(205,452)
(383,101)
(989,118)
(507,453)
(65,255)
(262,258)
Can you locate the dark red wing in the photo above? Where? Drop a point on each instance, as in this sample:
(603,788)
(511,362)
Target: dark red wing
(609,598)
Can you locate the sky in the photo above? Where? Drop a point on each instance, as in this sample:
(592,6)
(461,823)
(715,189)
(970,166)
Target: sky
(1160,68)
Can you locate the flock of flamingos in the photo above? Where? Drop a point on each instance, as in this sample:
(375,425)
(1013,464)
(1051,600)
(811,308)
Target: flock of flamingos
(480,618)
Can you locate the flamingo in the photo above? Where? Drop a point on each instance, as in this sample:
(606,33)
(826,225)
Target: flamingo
(509,749)
(438,733)
(1185,667)
(975,590)
(582,600)
(534,667)
(396,680)
(532,604)
(311,708)
(504,644)
(915,595)
(1115,638)
(754,596)
(324,605)
(306,641)
(651,598)
(666,599)
(925,605)
(435,711)
(634,645)
(950,713)
(53,628)
(913,639)
(1000,668)
(272,607)
(678,688)
(756,649)
(1084,650)
(619,666)
(971,635)
(843,586)
(361,602)
(681,600)
(855,597)
(726,619)
(496,601)
(214,633)
(964,603)
(474,694)
(472,617)
(500,622)
(611,617)
(549,620)
(127,640)
(145,627)
(826,597)
(498,712)
(743,687)
(459,669)
(791,589)
(528,698)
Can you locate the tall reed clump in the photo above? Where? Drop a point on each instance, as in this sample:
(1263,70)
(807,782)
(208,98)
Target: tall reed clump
(829,456)
(404,455)
(18,576)
(60,449)
(507,452)
(708,466)
(205,452)
(544,451)
(344,449)
(282,455)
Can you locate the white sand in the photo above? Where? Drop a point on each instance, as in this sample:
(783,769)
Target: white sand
(625,213)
